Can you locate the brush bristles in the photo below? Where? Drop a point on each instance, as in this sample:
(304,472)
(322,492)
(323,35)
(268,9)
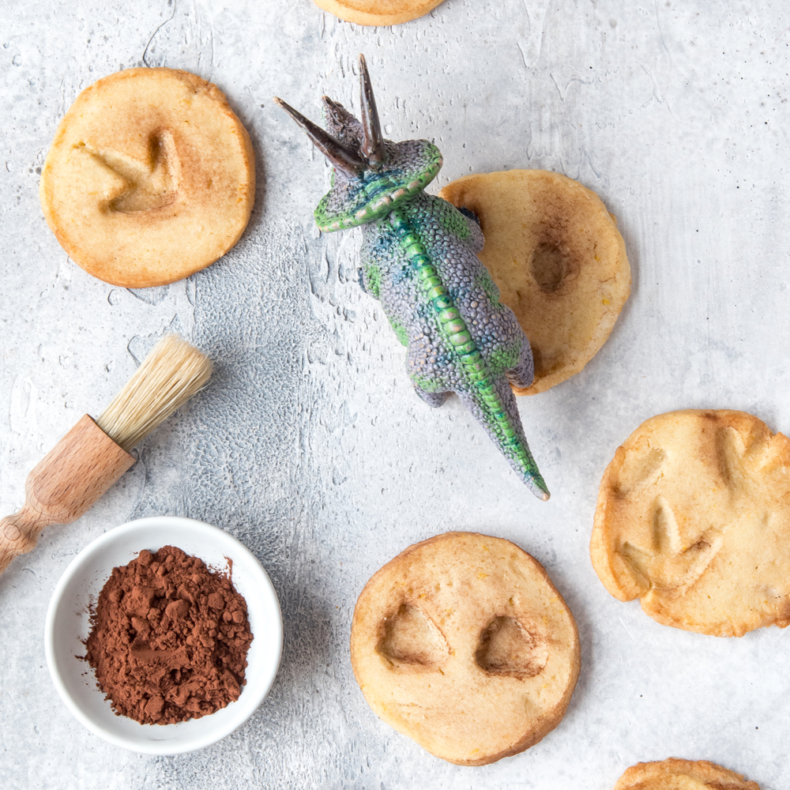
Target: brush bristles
(169,376)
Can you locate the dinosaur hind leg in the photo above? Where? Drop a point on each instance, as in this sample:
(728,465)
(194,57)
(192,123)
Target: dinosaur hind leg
(433,399)
(524,373)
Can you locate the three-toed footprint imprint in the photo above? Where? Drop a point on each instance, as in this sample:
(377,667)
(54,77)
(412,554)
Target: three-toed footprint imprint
(671,562)
(147,185)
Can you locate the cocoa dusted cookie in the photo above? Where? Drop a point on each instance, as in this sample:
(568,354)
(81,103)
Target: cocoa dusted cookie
(693,519)
(559,261)
(150,177)
(378,12)
(673,774)
(463,643)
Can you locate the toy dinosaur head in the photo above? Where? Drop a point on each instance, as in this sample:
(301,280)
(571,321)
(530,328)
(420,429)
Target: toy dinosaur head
(371,174)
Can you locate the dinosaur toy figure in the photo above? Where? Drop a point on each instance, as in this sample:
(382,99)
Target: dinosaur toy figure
(419,259)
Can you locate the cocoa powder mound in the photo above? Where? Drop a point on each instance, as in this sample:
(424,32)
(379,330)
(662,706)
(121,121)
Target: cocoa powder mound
(169,639)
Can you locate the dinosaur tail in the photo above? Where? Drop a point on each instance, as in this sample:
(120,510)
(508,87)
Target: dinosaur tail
(487,396)
(493,404)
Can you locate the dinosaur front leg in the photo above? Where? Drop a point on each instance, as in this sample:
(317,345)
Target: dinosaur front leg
(524,373)
(476,239)
(370,278)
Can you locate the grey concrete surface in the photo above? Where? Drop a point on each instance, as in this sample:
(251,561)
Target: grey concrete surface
(310,445)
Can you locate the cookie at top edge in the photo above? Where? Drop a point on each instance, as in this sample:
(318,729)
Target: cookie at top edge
(378,12)
(150,177)
(560,263)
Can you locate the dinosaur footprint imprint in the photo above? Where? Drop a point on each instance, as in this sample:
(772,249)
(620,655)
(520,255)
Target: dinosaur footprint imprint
(549,266)
(641,471)
(730,451)
(666,532)
(507,648)
(671,564)
(411,640)
(149,185)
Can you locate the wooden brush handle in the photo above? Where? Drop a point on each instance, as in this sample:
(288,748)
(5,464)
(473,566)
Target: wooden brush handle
(67,481)
(19,533)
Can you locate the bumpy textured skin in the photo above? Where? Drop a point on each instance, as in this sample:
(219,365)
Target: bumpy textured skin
(462,340)
(419,259)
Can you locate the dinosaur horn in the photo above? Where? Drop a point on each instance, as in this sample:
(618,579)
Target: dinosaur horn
(339,156)
(372,145)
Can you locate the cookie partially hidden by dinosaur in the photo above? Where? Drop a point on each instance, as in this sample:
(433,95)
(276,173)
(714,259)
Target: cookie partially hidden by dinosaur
(558,259)
(673,774)
(378,12)
(463,643)
(150,177)
(693,519)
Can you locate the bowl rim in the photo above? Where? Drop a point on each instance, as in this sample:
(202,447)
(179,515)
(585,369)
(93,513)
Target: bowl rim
(274,634)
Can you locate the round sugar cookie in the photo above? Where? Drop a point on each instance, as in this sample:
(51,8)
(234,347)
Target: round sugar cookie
(674,774)
(378,12)
(150,177)
(693,518)
(558,259)
(463,643)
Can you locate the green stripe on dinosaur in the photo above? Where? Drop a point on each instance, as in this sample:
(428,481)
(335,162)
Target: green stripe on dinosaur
(455,330)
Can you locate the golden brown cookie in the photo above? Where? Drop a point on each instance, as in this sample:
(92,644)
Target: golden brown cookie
(150,177)
(378,12)
(463,644)
(673,774)
(558,259)
(693,518)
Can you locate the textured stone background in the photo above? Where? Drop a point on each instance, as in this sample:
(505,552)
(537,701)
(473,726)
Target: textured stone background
(310,445)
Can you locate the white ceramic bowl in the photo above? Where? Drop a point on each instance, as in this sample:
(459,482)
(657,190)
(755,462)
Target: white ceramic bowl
(68,627)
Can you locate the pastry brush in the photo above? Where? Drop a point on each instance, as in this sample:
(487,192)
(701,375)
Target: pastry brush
(72,476)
